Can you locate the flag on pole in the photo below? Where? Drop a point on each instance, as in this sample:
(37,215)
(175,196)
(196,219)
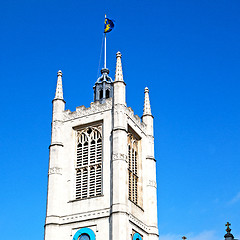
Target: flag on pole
(108,25)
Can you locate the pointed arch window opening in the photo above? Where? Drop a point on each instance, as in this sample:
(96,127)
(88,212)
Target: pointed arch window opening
(101,94)
(132,169)
(89,163)
(108,93)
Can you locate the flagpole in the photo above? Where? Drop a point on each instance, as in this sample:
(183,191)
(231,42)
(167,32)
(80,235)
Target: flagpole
(105,53)
(105,49)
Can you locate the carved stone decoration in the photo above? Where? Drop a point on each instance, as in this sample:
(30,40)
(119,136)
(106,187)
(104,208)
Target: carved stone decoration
(83,111)
(55,170)
(119,156)
(152,183)
(98,128)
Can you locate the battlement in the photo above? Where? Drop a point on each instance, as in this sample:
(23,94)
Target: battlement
(135,118)
(82,111)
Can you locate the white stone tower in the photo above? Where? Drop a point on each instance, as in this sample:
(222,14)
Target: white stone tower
(102,170)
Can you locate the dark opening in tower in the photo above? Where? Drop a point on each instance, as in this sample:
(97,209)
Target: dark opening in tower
(107,93)
(101,94)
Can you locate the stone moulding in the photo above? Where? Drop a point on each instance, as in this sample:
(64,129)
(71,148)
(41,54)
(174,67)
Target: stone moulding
(85,216)
(138,223)
(82,111)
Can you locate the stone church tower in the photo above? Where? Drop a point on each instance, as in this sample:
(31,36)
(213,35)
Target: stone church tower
(102,170)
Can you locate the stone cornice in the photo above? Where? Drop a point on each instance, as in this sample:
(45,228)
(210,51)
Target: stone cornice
(58,99)
(151,158)
(85,216)
(138,223)
(56,144)
(147,115)
(119,82)
(119,129)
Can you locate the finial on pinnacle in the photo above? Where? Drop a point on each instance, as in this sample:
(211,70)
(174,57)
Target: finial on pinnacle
(118,54)
(146,90)
(59,73)
(184,238)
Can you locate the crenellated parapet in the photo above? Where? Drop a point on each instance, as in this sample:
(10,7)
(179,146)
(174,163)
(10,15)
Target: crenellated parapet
(135,118)
(82,111)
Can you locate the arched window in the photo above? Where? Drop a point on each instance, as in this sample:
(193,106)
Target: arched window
(107,93)
(89,163)
(132,168)
(84,234)
(101,94)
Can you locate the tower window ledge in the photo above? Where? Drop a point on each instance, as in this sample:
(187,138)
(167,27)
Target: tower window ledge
(136,205)
(76,200)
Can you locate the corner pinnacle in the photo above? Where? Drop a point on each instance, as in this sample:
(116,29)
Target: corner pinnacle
(147,106)
(59,88)
(119,72)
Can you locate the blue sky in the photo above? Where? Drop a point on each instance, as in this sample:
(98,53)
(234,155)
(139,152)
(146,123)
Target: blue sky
(187,52)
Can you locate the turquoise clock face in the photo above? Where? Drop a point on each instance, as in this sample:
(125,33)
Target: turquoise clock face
(84,234)
(137,236)
(84,237)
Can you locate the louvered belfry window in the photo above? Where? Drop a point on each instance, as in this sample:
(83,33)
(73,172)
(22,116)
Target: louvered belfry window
(132,168)
(89,163)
